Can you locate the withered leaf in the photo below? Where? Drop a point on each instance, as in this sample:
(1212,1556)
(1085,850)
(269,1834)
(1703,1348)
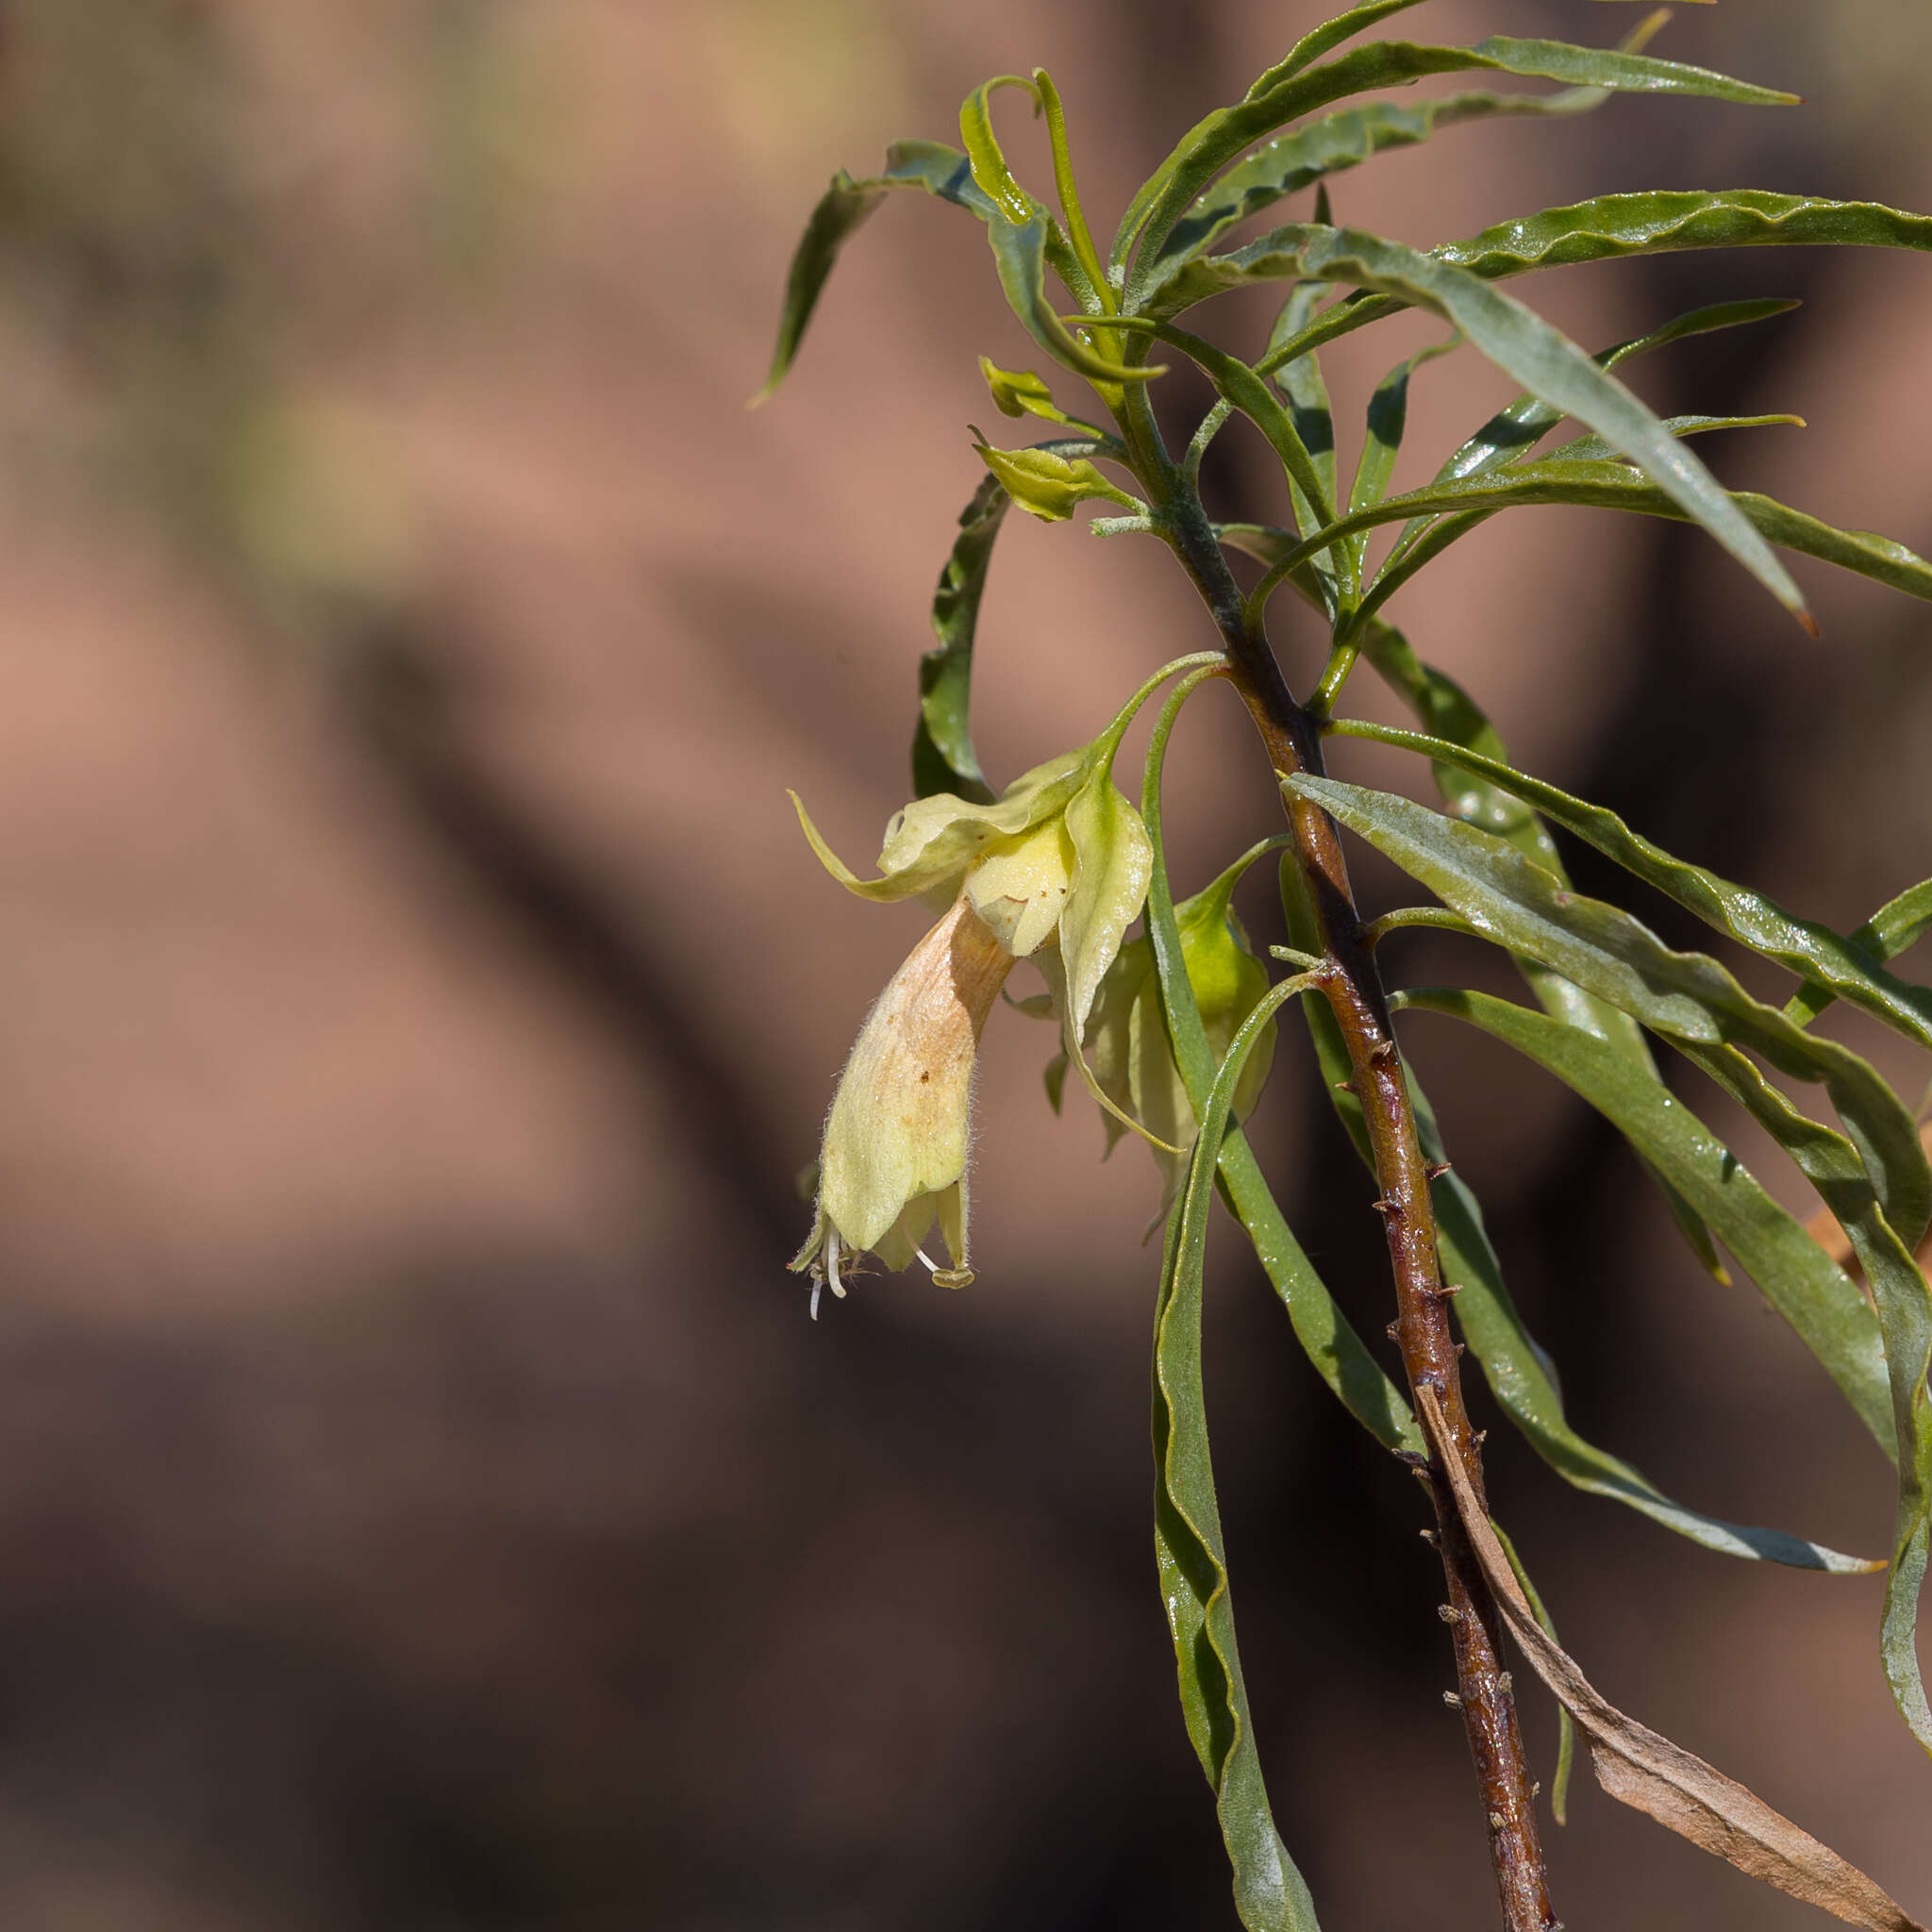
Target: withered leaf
(1639,1768)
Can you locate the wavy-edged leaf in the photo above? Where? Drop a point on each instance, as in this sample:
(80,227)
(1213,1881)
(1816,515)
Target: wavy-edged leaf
(1852,968)
(1339,141)
(1613,227)
(1904,1300)
(1540,358)
(1220,138)
(1897,924)
(942,172)
(1638,1767)
(1020,254)
(1338,1352)
(1687,997)
(1270,1895)
(1325,38)
(1812,1293)
(1519,1371)
(1450,713)
(943,754)
(1516,429)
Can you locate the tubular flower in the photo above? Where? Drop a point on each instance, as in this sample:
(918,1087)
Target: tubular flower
(1055,869)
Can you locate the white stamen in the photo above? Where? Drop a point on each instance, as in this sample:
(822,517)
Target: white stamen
(816,1286)
(932,1267)
(832,1264)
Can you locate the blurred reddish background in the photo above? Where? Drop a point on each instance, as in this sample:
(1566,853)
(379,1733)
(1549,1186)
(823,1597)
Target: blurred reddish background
(423,1499)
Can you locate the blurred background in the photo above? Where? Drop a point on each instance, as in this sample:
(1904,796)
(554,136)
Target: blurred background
(423,1499)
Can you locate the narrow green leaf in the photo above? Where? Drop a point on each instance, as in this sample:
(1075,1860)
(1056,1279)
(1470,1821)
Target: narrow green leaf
(1687,997)
(1387,422)
(1614,226)
(1897,924)
(982,145)
(1216,140)
(1904,1300)
(943,754)
(1514,431)
(1593,449)
(1819,1300)
(1325,38)
(1854,968)
(1541,359)
(1519,1371)
(1566,1724)
(1269,1893)
(1337,1351)
(845,205)
(1019,252)
(1341,141)
(1448,711)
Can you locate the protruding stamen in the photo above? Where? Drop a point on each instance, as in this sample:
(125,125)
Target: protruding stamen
(926,1262)
(817,1288)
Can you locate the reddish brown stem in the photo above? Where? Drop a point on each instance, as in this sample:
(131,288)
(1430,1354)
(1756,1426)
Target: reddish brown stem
(1430,1355)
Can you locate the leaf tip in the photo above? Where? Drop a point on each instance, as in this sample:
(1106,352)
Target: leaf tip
(1803,613)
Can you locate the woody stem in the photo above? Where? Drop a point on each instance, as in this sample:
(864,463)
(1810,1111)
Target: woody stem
(1430,1356)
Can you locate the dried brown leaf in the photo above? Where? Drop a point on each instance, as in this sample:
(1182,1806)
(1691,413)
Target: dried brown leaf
(1639,1768)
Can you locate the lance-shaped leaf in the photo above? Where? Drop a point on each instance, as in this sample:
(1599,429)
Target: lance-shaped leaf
(1387,422)
(1854,968)
(1515,430)
(943,754)
(1898,923)
(1638,1767)
(1685,996)
(1221,137)
(845,205)
(1450,713)
(1519,1371)
(1269,1893)
(1794,1274)
(1325,39)
(1339,141)
(1904,1300)
(1613,486)
(1538,356)
(1615,225)
(1338,1352)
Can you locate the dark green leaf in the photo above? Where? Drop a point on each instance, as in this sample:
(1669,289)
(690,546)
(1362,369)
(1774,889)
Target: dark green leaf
(1220,138)
(1616,225)
(943,754)
(1793,1273)
(1450,713)
(1524,345)
(1338,142)
(1903,1301)
(1515,430)
(1899,924)
(1270,1895)
(1518,1372)
(939,170)
(1340,1358)
(1688,997)
(1854,968)
(1324,39)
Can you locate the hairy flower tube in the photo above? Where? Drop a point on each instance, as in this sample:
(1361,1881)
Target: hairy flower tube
(1056,870)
